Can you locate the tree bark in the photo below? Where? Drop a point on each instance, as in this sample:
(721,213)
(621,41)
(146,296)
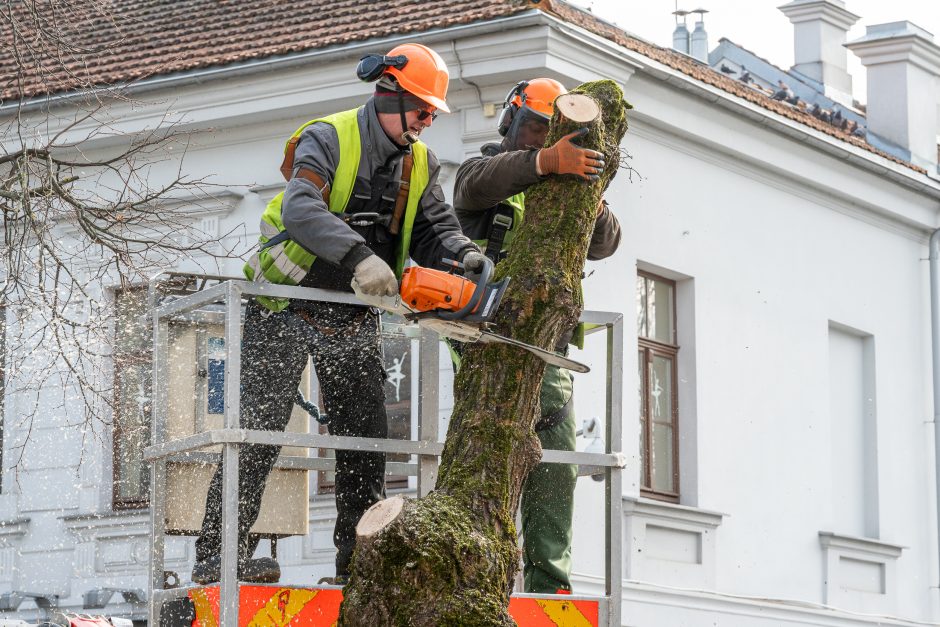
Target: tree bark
(450,558)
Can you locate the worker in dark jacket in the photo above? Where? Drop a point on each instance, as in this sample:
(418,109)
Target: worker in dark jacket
(363,195)
(489,196)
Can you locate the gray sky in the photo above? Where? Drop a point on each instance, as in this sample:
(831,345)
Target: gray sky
(758,25)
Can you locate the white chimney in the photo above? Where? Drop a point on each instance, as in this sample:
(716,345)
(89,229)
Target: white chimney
(699,48)
(903,65)
(819,32)
(680,36)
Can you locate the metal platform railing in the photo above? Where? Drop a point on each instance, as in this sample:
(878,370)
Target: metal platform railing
(193,300)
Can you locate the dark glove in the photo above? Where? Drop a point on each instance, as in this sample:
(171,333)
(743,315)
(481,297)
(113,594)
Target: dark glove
(566,157)
(375,278)
(474,261)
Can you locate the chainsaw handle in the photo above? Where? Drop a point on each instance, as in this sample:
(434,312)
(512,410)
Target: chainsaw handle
(478,293)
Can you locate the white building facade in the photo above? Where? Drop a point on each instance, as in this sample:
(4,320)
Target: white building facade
(774,282)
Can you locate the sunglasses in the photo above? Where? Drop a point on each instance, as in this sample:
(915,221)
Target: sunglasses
(424,114)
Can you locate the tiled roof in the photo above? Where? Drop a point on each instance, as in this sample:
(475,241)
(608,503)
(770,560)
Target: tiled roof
(142,38)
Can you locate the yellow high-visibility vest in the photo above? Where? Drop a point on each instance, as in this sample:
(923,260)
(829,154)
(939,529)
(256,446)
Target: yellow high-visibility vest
(287,262)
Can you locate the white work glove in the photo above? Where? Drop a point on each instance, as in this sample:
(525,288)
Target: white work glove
(375,278)
(474,262)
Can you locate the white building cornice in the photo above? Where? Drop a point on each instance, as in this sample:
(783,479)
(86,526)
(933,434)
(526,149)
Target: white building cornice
(121,524)
(12,531)
(827,11)
(566,49)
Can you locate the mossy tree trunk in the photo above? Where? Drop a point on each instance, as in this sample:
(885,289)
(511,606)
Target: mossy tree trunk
(450,558)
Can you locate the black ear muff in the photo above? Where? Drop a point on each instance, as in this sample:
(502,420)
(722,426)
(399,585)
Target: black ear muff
(505,119)
(372,66)
(509,108)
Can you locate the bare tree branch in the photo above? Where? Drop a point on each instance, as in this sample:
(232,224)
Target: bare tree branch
(80,209)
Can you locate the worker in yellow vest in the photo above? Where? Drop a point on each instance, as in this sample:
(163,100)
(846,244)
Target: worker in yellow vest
(362,196)
(489,195)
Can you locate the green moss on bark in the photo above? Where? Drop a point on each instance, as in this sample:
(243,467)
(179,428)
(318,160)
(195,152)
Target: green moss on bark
(450,558)
(425,551)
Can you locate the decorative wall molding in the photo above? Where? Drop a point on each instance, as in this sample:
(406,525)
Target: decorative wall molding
(12,531)
(110,543)
(120,524)
(860,573)
(11,535)
(670,544)
(651,604)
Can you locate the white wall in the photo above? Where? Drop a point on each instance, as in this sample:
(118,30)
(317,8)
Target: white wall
(774,244)
(773,262)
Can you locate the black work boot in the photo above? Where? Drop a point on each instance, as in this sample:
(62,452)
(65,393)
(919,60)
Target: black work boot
(254,570)
(339,580)
(208,570)
(259,570)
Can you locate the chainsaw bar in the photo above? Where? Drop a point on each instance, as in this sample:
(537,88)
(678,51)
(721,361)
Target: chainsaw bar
(465,331)
(549,357)
(468,333)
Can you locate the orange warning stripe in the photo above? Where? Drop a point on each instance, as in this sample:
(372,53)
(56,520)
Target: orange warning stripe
(281,608)
(272,606)
(529,612)
(573,613)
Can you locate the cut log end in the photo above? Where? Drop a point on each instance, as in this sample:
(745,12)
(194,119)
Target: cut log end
(578,108)
(379,516)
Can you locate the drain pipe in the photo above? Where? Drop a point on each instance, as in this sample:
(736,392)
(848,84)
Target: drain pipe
(934,258)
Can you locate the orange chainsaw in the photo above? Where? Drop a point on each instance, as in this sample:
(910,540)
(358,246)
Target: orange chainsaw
(457,307)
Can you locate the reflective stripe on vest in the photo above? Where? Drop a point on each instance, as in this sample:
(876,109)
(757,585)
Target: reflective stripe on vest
(288,263)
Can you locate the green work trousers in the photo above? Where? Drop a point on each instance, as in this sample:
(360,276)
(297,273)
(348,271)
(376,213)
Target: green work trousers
(548,506)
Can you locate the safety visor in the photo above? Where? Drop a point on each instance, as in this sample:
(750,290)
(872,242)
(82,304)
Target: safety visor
(528,129)
(531,115)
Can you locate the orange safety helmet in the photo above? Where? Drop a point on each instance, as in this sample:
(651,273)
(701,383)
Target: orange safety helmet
(424,75)
(536,96)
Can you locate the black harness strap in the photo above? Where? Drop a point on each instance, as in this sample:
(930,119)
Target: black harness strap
(499,226)
(274,241)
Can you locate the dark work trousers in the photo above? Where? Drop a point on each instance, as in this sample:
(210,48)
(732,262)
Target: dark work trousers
(346,347)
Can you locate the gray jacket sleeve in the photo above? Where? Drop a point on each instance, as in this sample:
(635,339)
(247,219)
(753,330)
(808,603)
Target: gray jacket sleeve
(307,218)
(606,237)
(436,233)
(486,181)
